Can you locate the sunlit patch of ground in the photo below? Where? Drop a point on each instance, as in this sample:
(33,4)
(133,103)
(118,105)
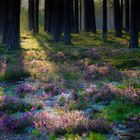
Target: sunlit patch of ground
(90,76)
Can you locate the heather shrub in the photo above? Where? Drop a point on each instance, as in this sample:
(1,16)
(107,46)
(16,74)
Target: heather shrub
(16,123)
(93,54)
(131,95)
(106,94)
(95,72)
(22,89)
(71,122)
(52,88)
(12,105)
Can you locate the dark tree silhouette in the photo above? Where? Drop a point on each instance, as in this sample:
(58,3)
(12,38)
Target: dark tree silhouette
(36,17)
(67,21)
(122,14)
(117,18)
(57,20)
(127,15)
(1,20)
(5,9)
(90,21)
(48,15)
(104,19)
(76,17)
(134,24)
(13,33)
(31,15)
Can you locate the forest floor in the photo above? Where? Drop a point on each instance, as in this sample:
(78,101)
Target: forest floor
(87,90)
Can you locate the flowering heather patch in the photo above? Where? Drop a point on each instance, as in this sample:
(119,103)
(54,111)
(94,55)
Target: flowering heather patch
(95,72)
(59,56)
(131,95)
(24,88)
(107,93)
(92,53)
(52,89)
(62,123)
(131,74)
(19,123)
(100,125)
(69,122)
(13,105)
(133,122)
(42,96)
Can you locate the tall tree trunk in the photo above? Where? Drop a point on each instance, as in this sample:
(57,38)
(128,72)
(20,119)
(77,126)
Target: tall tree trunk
(13,34)
(122,13)
(134,24)
(127,15)
(1,20)
(117,18)
(31,15)
(76,17)
(6,20)
(82,14)
(90,21)
(48,15)
(105,19)
(57,22)
(36,17)
(67,21)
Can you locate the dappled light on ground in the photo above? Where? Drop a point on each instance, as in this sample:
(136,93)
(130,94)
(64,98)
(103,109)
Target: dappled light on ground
(53,90)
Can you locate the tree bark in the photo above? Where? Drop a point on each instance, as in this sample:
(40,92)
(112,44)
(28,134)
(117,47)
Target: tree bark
(48,16)
(1,20)
(105,19)
(57,22)
(6,20)
(127,15)
(76,17)
(13,34)
(36,17)
(134,24)
(67,21)
(90,21)
(122,13)
(117,18)
(31,15)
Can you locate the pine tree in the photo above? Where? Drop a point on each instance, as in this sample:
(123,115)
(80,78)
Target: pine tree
(117,18)
(104,19)
(13,32)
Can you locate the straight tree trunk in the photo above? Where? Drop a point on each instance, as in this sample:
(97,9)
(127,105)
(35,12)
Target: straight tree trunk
(104,19)
(122,13)
(57,22)
(6,20)
(48,15)
(134,24)
(90,21)
(76,17)
(13,34)
(67,21)
(31,15)
(1,20)
(127,15)
(36,17)
(82,14)
(117,18)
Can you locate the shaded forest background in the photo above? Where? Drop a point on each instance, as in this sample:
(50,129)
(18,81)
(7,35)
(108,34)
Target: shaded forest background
(98,11)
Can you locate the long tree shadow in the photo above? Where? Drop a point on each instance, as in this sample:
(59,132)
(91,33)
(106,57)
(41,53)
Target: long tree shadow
(15,70)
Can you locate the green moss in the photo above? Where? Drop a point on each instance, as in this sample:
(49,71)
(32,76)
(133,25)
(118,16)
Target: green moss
(1,91)
(98,136)
(118,111)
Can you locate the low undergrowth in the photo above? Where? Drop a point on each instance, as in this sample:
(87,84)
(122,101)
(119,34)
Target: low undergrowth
(81,91)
